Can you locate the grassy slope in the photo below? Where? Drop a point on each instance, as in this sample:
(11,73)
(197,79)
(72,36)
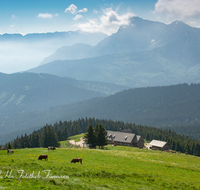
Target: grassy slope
(66,144)
(76,138)
(115,168)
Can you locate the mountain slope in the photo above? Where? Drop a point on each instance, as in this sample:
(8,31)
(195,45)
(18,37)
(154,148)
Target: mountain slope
(131,69)
(166,106)
(32,92)
(75,51)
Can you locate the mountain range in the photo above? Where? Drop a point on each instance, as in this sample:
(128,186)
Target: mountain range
(146,53)
(143,35)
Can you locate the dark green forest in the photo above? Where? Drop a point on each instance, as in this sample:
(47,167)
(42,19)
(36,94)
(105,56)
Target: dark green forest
(50,135)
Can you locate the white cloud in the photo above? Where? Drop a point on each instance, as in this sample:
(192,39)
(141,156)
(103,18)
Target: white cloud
(77,17)
(179,9)
(45,15)
(83,10)
(12,26)
(72,9)
(108,23)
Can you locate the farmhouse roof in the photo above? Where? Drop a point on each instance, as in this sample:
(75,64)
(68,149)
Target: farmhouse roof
(127,131)
(120,136)
(137,138)
(158,143)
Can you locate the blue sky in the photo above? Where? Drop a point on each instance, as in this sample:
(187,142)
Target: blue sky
(35,16)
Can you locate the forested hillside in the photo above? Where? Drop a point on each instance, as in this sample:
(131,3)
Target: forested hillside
(167,106)
(49,134)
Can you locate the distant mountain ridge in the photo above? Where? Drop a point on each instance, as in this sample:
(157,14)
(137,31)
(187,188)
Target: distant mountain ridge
(69,37)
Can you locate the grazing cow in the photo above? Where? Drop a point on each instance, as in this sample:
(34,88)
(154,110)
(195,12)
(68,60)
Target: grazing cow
(173,151)
(186,153)
(51,148)
(74,160)
(10,151)
(141,147)
(43,156)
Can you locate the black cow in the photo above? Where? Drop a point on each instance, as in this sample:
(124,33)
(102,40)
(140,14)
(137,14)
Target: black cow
(43,156)
(74,160)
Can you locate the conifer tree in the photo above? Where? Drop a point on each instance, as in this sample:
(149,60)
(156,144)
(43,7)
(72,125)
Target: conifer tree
(100,133)
(90,136)
(65,134)
(9,146)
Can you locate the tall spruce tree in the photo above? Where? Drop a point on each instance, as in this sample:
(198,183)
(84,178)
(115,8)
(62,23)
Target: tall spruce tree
(90,136)
(100,133)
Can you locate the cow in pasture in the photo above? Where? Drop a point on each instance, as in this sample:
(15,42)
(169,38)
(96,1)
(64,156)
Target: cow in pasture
(173,151)
(74,160)
(10,151)
(141,147)
(51,148)
(43,156)
(186,153)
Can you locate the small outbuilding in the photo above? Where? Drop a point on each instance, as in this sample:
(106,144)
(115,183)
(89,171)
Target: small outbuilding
(159,145)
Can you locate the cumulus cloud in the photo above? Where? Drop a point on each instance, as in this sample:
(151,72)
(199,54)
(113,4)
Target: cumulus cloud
(179,9)
(108,23)
(77,17)
(12,26)
(72,9)
(83,10)
(45,15)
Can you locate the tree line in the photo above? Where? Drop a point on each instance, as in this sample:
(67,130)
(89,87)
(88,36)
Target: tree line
(50,135)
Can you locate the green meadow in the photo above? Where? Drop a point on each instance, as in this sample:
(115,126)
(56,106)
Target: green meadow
(112,168)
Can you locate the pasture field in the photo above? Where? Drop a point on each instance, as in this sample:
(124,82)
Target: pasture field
(113,168)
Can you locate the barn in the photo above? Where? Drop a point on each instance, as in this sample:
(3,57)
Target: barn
(125,139)
(159,145)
